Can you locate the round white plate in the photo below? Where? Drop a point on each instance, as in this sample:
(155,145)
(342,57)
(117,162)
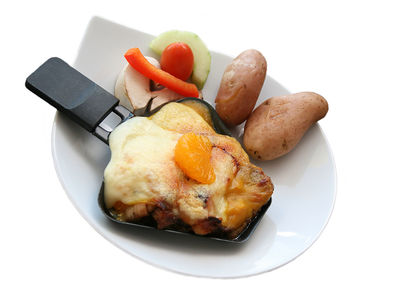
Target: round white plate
(305,179)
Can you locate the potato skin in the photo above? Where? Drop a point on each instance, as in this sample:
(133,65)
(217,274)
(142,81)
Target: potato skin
(240,87)
(277,125)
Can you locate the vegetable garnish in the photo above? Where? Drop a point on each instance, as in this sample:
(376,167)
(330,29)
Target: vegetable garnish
(136,59)
(177,59)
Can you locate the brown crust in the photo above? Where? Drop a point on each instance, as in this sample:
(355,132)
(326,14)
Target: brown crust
(161,216)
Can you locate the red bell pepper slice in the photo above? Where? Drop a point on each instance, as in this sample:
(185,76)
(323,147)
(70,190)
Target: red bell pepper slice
(136,59)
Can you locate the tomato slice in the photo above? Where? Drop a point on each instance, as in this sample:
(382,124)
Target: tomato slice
(177,59)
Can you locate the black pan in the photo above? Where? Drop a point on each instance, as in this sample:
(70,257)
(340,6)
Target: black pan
(86,103)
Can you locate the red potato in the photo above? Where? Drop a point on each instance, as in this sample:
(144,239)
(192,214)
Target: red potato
(240,87)
(278,124)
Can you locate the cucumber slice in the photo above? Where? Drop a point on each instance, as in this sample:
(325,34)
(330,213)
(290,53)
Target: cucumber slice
(202,57)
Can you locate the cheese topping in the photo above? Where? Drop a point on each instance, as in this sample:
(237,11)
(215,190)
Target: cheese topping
(143,171)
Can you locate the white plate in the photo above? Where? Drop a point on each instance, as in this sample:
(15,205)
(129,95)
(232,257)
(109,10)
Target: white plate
(305,179)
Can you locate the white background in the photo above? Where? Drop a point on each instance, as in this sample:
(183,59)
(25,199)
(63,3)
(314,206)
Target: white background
(348,51)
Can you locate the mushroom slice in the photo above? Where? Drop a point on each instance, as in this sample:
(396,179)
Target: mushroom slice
(133,89)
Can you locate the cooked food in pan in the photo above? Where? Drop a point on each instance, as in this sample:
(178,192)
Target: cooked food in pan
(172,168)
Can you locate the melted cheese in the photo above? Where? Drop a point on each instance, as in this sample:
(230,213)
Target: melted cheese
(142,170)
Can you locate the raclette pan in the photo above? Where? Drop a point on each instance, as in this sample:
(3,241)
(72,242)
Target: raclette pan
(88,104)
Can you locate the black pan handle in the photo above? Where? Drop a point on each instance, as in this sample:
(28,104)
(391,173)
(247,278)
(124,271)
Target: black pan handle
(72,93)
